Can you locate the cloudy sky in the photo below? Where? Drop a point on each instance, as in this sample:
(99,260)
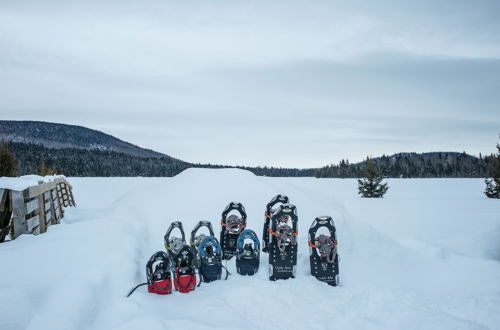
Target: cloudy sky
(283,83)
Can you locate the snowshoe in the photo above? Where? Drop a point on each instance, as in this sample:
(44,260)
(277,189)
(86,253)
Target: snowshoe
(197,239)
(159,279)
(185,270)
(269,208)
(210,259)
(231,227)
(323,251)
(248,254)
(174,244)
(283,246)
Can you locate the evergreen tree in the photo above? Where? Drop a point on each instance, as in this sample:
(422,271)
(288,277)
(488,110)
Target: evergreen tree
(371,186)
(44,170)
(493,185)
(7,161)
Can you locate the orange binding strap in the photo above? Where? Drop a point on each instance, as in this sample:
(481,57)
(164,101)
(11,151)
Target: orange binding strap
(267,215)
(311,244)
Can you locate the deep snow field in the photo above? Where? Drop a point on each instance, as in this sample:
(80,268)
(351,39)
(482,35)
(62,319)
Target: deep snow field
(427,256)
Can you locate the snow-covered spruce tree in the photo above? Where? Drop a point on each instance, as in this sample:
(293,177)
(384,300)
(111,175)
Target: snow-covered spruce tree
(493,185)
(7,161)
(371,185)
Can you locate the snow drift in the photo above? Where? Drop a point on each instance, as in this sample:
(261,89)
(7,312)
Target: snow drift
(423,257)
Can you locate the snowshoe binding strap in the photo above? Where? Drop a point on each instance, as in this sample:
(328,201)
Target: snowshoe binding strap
(327,248)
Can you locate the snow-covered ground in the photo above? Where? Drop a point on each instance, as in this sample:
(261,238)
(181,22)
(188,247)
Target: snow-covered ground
(427,256)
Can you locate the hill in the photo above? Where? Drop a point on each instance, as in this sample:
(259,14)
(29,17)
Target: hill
(61,136)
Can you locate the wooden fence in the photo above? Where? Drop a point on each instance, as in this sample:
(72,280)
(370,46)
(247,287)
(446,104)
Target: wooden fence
(32,210)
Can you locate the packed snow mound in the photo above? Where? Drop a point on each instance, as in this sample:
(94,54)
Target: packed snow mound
(26,181)
(402,260)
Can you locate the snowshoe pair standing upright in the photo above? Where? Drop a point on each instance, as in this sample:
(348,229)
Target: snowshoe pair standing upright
(184,260)
(231,227)
(278,199)
(323,251)
(238,241)
(209,253)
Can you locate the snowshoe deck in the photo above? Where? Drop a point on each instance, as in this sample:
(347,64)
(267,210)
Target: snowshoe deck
(323,251)
(283,246)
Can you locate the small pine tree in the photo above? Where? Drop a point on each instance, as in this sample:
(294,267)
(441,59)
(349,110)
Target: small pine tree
(493,185)
(44,170)
(371,186)
(7,161)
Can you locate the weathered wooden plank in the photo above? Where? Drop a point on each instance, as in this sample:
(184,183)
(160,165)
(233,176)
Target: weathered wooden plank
(53,217)
(33,225)
(36,191)
(32,205)
(41,214)
(18,213)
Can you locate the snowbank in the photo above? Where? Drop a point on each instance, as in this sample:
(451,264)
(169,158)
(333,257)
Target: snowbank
(401,264)
(26,181)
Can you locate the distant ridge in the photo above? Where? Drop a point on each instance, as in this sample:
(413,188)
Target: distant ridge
(79,151)
(59,136)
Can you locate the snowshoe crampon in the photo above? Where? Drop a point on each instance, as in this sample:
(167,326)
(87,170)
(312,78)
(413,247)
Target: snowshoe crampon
(248,254)
(323,251)
(283,246)
(231,227)
(210,259)
(269,209)
(174,244)
(185,270)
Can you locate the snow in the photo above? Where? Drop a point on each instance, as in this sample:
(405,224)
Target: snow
(26,181)
(427,256)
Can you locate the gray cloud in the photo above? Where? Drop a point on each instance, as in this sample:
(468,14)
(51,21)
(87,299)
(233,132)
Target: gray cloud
(287,84)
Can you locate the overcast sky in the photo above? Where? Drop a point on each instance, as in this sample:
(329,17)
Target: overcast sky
(282,83)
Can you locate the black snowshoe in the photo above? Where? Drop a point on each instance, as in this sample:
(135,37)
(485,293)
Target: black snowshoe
(159,279)
(210,259)
(231,227)
(185,270)
(174,244)
(197,239)
(269,208)
(248,254)
(283,246)
(323,251)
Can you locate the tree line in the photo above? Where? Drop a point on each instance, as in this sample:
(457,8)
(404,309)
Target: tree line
(32,158)
(413,165)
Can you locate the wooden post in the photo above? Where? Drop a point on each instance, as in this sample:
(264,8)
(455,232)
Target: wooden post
(5,214)
(41,214)
(18,213)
